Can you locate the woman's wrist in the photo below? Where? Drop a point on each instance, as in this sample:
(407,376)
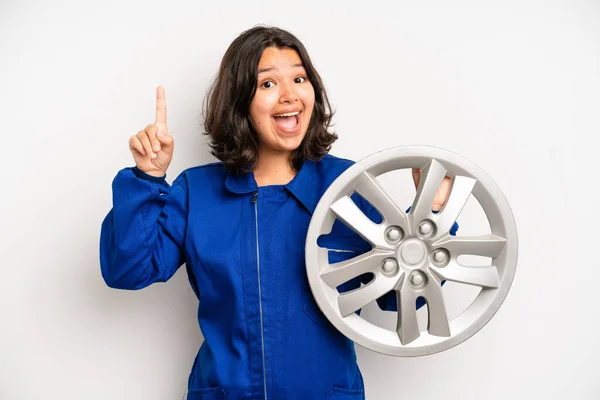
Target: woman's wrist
(153,176)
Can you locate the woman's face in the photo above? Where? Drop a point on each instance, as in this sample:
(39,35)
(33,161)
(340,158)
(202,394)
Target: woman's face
(281,108)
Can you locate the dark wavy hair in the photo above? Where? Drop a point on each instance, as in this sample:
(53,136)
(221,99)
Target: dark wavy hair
(226,106)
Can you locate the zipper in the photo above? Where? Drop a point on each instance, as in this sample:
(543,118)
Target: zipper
(262,330)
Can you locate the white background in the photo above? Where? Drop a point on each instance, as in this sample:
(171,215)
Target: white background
(511,85)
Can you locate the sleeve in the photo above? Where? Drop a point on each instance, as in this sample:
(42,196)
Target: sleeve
(142,237)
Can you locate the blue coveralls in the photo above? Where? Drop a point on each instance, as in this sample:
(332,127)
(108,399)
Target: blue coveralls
(243,246)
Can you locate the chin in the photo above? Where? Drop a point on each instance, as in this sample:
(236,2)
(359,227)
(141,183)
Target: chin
(289,142)
(292,146)
(288,149)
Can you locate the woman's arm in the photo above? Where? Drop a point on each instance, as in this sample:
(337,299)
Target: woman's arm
(142,237)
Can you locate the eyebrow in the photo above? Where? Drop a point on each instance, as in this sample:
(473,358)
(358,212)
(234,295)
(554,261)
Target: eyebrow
(272,68)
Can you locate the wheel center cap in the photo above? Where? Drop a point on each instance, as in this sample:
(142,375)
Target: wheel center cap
(412,253)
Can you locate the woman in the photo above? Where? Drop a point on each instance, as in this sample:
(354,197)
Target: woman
(240,226)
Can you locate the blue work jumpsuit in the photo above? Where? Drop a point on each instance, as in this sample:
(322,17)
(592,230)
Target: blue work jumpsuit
(243,247)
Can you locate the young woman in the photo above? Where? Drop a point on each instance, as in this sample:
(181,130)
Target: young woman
(240,226)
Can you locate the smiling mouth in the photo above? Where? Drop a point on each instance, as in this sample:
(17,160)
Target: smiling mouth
(288,124)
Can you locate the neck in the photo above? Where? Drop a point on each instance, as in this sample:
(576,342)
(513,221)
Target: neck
(273,168)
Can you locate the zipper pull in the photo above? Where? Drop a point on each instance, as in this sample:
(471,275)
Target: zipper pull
(254,196)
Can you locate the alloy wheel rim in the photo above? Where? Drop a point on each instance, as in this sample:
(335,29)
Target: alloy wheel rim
(412,252)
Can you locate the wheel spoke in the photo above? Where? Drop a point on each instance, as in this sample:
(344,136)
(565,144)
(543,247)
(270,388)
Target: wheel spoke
(341,272)
(356,299)
(349,213)
(431,178)
(484,245)
(459,194)
(407,325)
(485,277)
(370,189)
(437,323)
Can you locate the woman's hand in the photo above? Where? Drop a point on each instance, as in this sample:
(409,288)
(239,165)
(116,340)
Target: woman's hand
(152,148)
(443,191)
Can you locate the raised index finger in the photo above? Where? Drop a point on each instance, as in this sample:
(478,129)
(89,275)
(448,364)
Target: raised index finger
(161,109)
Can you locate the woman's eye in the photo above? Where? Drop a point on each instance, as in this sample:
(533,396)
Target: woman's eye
(267,83)
(300,79)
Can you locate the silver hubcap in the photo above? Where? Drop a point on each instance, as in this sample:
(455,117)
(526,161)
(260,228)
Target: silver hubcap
(412,253)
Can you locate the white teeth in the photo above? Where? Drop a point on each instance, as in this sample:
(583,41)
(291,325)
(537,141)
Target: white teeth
(287,114)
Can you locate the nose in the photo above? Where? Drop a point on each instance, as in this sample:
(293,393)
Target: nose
(288,93)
